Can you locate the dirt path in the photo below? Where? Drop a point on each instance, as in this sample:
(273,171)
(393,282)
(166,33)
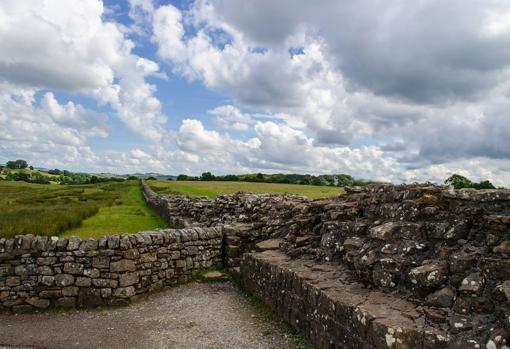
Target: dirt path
(191,316)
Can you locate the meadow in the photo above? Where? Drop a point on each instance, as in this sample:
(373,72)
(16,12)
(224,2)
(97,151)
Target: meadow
(212,189)
(83,210)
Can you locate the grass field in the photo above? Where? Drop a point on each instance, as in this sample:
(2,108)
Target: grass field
(41,209)
(130,214)
(213,189)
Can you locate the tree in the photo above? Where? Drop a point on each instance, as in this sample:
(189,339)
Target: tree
(151,178)
(31,167)
(17,164)
(207,176)
(459,181)
(132,178)
(484,185)
(316,181)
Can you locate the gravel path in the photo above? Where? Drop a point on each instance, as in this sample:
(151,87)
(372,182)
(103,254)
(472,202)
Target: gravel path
(191,316)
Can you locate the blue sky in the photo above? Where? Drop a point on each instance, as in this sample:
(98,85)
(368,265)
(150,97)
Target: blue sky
(236,86)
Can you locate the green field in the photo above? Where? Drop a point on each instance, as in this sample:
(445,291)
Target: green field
(84,210)
(212,189)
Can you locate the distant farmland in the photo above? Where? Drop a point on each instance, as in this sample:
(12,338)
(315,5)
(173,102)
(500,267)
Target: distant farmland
(84,210)
(214,188)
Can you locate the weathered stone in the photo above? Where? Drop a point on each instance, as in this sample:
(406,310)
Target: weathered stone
(122,265)
(73,268)
(101,262)
(38,302)
(384,231)
(91,273)
(11,281)
(48,280)
(429,275)
(83,281)
(109,283)
(472,284)
(50,294)
(64,280)
(147,258)
(442,298)
(271,244)
(131,254)
(74,243)
(70,291)
(88,245)
(46,260)
(124,292)
(503,247)
(128,279)
(214,276)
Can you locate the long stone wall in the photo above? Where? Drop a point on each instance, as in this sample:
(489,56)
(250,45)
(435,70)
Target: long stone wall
(444,254)
(414,266)
(41,272)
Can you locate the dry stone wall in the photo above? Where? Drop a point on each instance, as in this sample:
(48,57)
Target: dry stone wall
(41,272)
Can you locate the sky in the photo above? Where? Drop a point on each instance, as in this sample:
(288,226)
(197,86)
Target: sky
(394,90)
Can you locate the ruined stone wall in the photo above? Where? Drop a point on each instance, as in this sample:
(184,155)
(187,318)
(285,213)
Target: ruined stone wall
(411,266)
(445,252)
(246,218)
(41,272)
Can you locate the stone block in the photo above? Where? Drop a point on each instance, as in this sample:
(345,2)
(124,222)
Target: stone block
(38,302)
(124,292)
(122,265)
(128,279)
(63,280)
(73,268)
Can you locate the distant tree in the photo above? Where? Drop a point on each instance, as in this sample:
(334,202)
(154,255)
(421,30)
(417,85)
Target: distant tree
(260,177)
(55,172)
(151,178)
(345,180)
(18,176)
(459,181)
(17,164)
(132,178)
(94,180)
(484,185)
(207,176)
(316,181)
(31,167)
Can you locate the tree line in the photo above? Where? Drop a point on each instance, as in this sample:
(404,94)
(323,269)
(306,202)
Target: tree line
(15,171)
(335,180)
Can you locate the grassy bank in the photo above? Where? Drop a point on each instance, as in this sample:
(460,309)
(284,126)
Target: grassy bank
(128,215)
(212,189)
(45,209)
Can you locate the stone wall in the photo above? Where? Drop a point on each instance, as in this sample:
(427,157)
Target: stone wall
(41,272)
(446,253)
(411,266)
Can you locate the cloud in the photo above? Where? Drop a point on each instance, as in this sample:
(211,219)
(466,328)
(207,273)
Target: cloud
(71,48)
(230,117)
(350,76)
(46,131)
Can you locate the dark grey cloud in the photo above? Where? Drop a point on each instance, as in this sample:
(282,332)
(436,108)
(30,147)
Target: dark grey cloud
(428,52)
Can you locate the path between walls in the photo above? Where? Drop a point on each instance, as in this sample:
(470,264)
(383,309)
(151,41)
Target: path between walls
(191,316)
